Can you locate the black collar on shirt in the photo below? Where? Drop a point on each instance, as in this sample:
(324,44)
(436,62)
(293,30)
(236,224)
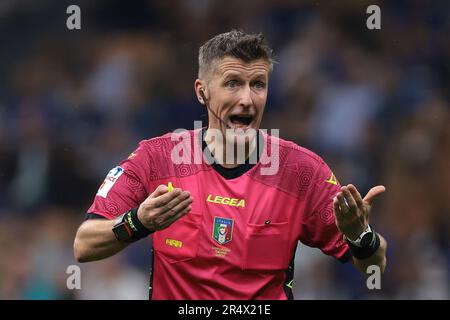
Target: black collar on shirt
(231,173)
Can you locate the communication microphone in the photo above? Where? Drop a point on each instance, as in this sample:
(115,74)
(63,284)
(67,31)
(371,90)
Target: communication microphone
(207,106)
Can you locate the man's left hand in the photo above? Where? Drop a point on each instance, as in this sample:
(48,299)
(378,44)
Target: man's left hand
(352,212)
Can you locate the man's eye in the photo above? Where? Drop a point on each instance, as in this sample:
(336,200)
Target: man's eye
(231,83)
(259,85)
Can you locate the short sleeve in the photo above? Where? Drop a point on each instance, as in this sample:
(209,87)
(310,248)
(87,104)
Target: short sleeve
(124,187)
(319,229)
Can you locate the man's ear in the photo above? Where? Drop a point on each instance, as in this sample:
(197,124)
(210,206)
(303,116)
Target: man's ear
(199,87)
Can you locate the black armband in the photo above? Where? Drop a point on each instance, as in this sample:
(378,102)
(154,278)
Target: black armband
(365,251)
(139,230)
(129,228)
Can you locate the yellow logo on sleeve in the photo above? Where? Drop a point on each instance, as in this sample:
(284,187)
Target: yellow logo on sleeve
(332,179)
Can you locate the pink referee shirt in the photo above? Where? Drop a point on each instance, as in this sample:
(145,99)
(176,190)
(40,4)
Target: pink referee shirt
(242,233)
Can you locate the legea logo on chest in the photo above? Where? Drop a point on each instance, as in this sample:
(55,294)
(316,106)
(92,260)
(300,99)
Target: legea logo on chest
(226,201)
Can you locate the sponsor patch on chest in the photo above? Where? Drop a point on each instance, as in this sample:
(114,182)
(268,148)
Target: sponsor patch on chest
(226,201)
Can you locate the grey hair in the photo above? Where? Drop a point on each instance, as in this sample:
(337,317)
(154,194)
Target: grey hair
(235,43)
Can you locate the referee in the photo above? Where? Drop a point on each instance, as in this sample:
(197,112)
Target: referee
(227,227)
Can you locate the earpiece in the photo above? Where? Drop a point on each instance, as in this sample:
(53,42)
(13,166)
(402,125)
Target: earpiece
(205,101)
(202,94)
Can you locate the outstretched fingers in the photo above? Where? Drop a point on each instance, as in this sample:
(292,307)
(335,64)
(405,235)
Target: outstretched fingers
(356,195)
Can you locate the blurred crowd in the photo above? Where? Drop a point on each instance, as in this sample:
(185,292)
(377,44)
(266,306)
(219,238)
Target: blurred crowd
(373,103)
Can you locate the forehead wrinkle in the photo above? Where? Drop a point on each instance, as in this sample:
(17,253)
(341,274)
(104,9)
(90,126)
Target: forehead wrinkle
(234,68)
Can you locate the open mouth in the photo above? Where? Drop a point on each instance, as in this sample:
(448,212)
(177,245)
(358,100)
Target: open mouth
(240,120)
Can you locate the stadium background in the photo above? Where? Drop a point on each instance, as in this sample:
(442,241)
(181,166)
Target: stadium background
(373,104)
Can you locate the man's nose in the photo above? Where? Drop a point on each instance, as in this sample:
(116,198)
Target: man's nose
(246,97)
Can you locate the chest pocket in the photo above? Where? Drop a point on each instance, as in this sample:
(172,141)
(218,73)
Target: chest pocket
(180,241)
(266,247)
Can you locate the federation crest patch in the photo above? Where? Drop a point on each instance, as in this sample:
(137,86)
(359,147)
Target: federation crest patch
(222,230)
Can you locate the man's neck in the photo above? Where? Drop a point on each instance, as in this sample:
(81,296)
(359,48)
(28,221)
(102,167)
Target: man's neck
(228,153)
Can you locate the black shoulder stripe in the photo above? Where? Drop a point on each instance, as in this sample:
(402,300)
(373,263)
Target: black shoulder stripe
(90,216)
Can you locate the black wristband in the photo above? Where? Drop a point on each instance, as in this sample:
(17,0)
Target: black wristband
(365,252)
(138,229)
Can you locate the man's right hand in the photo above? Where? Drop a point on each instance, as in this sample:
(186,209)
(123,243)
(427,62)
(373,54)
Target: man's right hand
(162,208)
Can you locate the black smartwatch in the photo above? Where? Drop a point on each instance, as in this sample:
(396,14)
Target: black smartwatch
(122,230)
(365,238)
(365,245)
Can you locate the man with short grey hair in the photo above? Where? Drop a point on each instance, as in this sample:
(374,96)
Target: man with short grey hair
(221,229)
